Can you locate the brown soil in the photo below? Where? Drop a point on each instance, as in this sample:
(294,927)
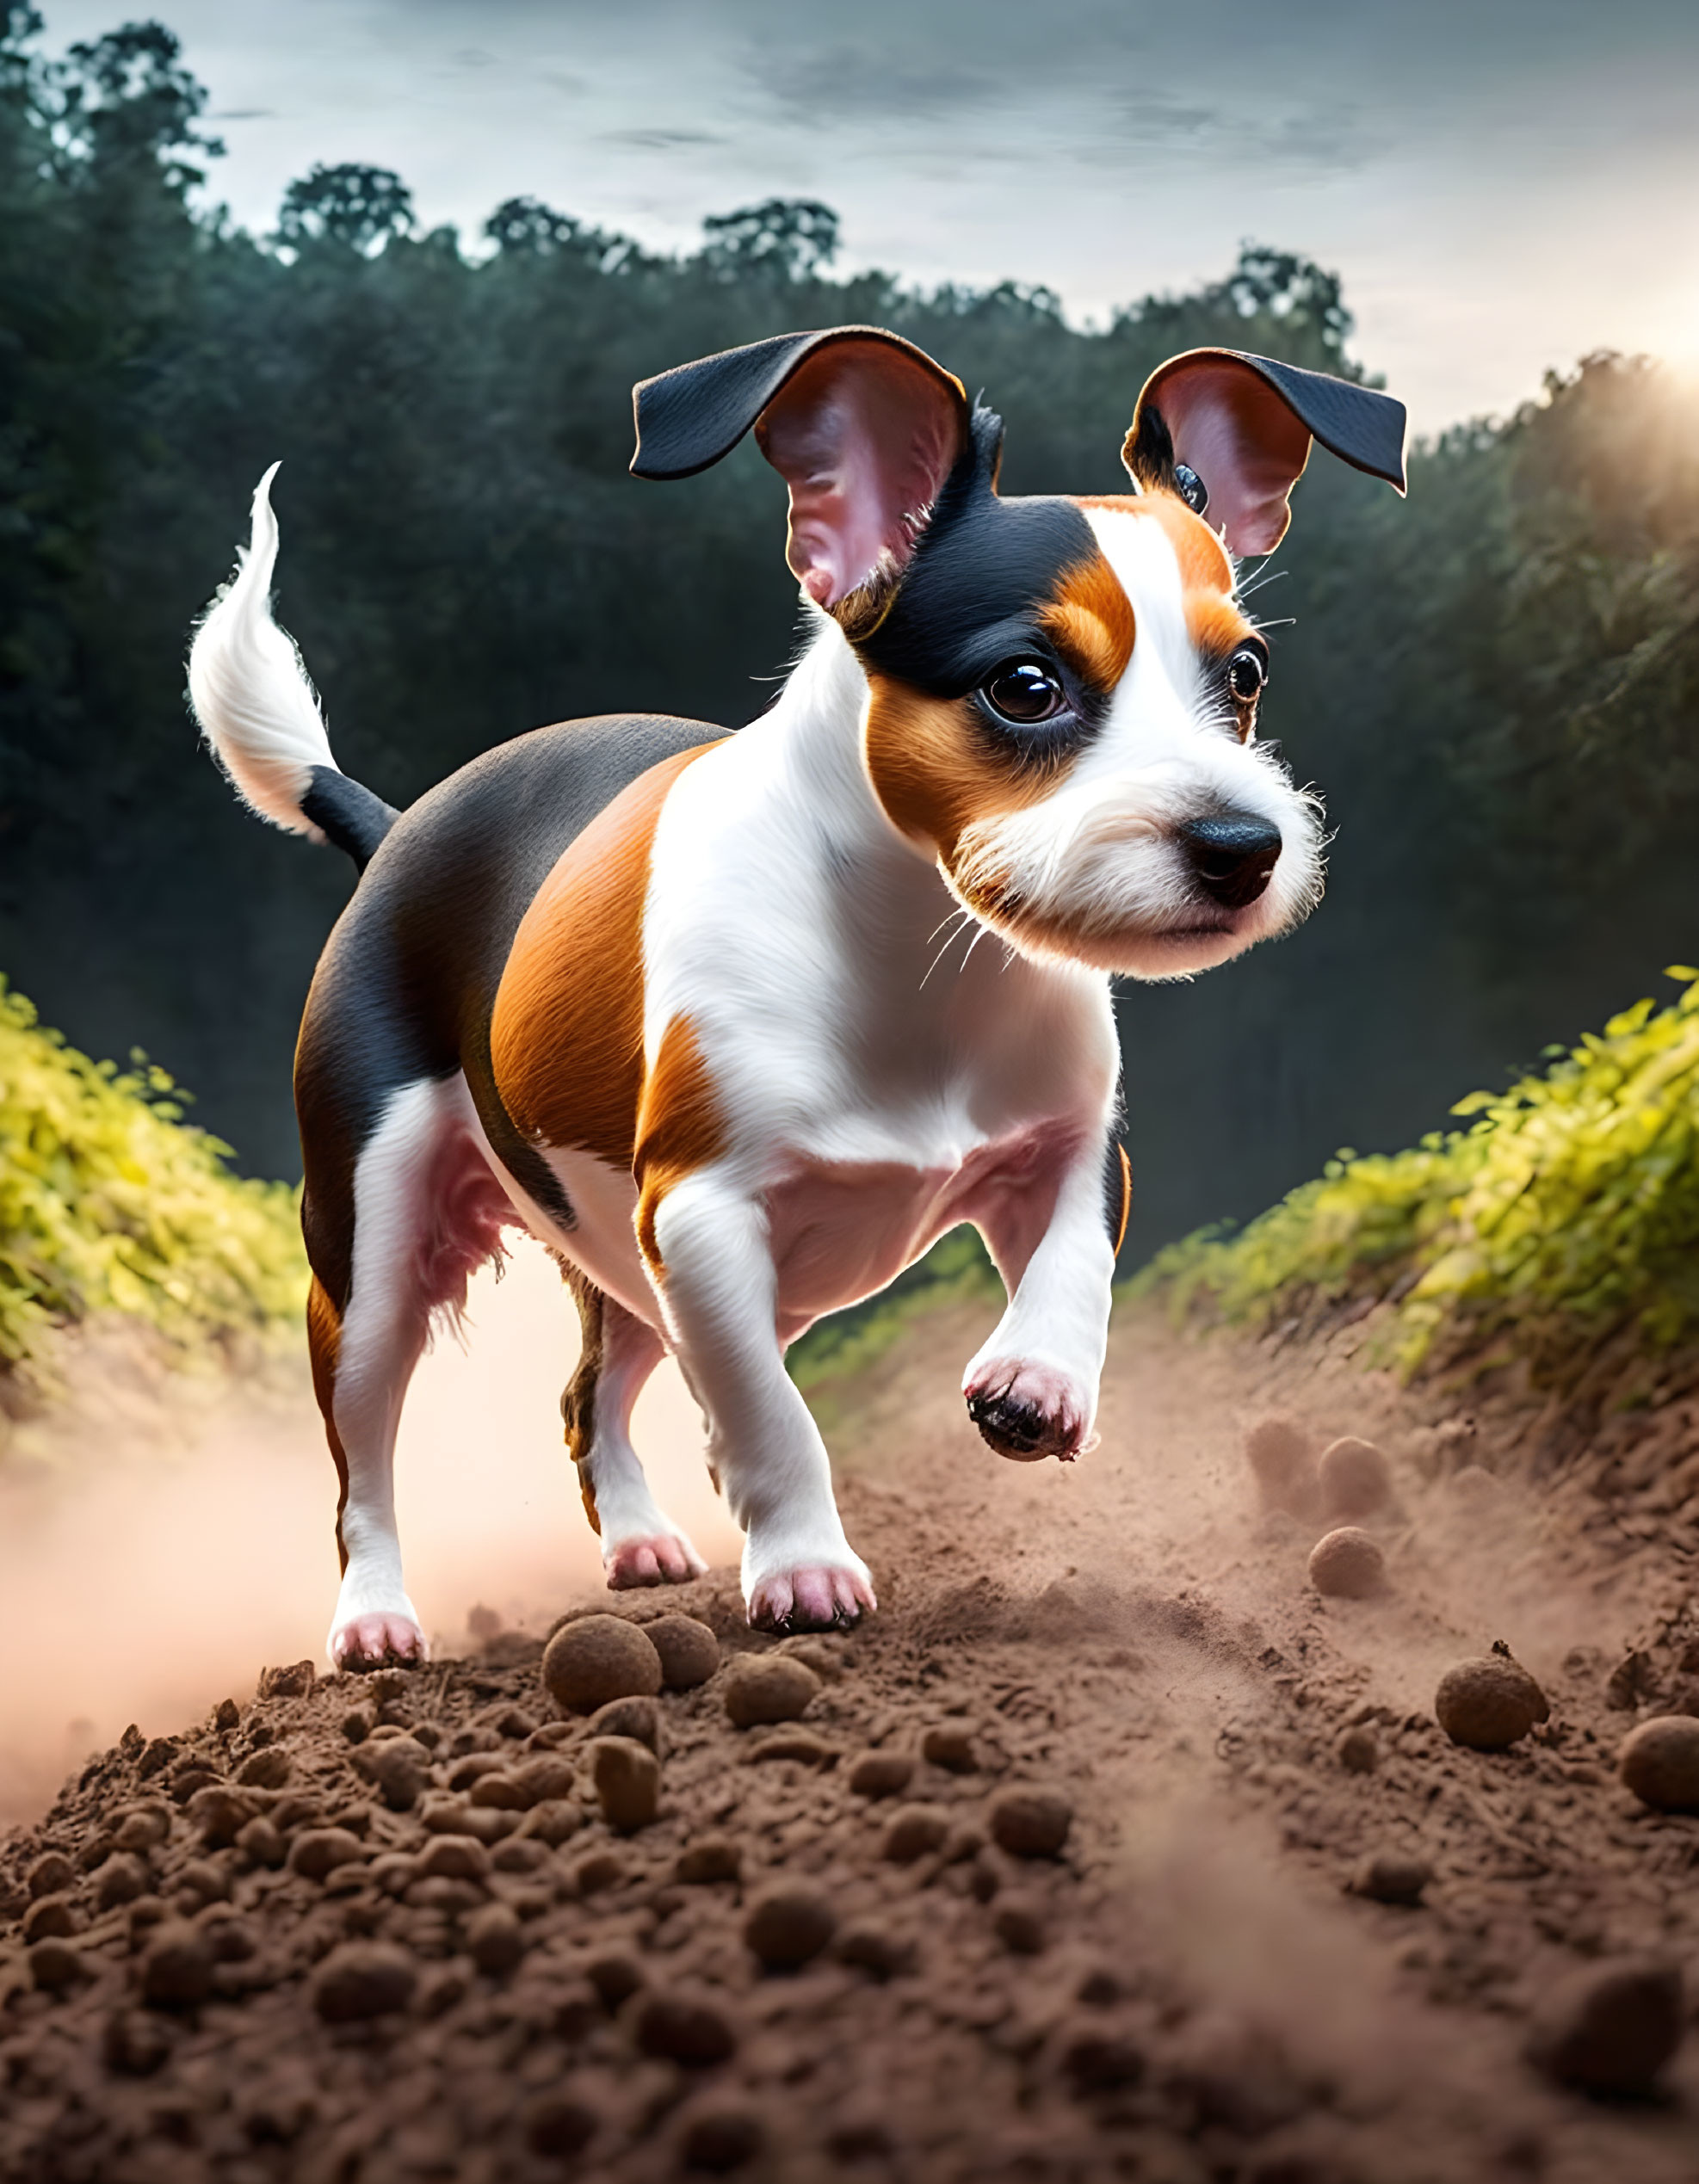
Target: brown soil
(1200,1985)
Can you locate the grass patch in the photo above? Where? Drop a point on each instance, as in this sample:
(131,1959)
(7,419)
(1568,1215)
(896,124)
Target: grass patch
(111,1202)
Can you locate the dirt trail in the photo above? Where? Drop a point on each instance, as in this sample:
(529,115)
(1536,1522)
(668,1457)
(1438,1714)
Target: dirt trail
(1186,1992)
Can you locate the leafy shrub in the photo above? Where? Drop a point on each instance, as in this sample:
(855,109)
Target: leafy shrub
(111,1202)
(1567,1209)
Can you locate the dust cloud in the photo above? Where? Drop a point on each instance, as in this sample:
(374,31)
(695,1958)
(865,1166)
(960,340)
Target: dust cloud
(162,1550)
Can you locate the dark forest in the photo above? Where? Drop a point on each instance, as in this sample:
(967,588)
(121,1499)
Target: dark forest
(1492,684)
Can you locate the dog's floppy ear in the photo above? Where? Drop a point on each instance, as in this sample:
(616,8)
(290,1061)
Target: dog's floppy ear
(1242,425)
(863,427)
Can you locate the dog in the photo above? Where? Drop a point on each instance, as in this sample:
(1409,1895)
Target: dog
(680,1002)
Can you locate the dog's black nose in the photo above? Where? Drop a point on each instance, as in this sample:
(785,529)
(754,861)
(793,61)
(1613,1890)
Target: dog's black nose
(1233,856)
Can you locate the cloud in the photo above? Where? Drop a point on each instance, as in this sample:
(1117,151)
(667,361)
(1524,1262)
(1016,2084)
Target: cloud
(661,140)
(819,85)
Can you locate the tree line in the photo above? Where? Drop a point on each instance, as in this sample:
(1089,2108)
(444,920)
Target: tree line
(1493,685)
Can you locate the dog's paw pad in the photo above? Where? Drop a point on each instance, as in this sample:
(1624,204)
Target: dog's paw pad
(379,1641)
(1028,1411)
(662,1559)
(821,1598)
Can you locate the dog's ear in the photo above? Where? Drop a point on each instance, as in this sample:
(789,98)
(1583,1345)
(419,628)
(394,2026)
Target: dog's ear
(863,427)
(1242,427)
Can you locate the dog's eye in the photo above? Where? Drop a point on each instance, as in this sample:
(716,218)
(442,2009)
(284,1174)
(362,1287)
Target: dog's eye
(1193,491)
(1247,671)
(1025,692)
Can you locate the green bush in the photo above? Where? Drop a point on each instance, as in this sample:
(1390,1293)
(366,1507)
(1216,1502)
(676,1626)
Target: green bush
(111,1202)
(1567,1209)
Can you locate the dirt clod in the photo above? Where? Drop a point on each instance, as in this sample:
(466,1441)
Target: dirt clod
(1612,2031)
(682,2026)
(768,1688)
(362,1979)
(559,2122)
(1281,1457)
(708,1859)
(494,1939)
(913,1830)
(121,1880)
(1018,1923)
(1489,1704)
(1358,1751)
(1660,1762)
(51,1873)
(873,1946)
(788,1924)
(637,1718)
(722,2136)
(401,1767)
(176,1969)
(1096,2059)
(881,1774)
(628,1778)
(1348,1563)
(689,1651)
(56,1964)
(1030,1823)
(1393,1876)
(595,1658)
(1355,1480)
(318,1851)
(949,1744)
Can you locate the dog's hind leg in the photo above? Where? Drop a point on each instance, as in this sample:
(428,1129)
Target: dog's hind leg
(423,1211)
(640,1544)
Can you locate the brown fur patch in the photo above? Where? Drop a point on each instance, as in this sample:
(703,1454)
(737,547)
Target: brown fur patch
(1213,621)
(577,1404)
(1091,622)
(679,1129)
(934,769)
(324,1350)
(566,1034)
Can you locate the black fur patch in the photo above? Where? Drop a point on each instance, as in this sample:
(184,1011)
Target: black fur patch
(348,816)
(406,985)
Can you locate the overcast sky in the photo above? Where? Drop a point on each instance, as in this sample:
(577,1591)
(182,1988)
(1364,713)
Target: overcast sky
(1505,184)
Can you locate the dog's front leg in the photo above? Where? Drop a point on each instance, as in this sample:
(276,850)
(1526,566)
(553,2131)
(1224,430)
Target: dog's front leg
(712,1267)
(1032,1389)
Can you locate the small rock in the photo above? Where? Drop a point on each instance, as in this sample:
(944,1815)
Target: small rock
(401,1767)
(494,1941)
(616,1975)
(552,1821)
(50,1874)
(1348,1564)
(134,2043)
(497,1792)
(558,2122)
(708,1859)
(219,1813)
(358,1725)
(598,1657)
(453,1858)
(200,1878)
(362,1979)
(1358,1751)
(873,1946)
(638,1718)
(145,1827)
(1489,1704)
(602,1869)
(122,1879)
(799,1744)
(913,1830)
(176,1971)
(261,1841)
(1355,1480)
(1019,1925)
(1611,2030)
(950,1745)
(318,1851)
(681,2026)
(56,1964)
(1660,1762)
(768,1688)
(1393,1876)
(1030,1823)
(724,2136)
(266,1769)
(226,1715)
(627,1778)
(689,1651)
(789,1924)
(1281,1457)
(293,1682)
(881,1774)
(49,1917)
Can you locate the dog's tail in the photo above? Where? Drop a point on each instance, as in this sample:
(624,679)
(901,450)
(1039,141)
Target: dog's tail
(260,714)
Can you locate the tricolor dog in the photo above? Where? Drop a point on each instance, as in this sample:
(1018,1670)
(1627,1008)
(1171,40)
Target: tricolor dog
(708,1013)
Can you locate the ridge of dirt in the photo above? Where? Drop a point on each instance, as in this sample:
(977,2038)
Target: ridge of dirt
(1190,1992)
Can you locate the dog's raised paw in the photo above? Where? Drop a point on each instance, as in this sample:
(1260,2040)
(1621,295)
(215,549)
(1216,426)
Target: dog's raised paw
(385,1640)
(1027,1412)
(663,1558)
(820,1598)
